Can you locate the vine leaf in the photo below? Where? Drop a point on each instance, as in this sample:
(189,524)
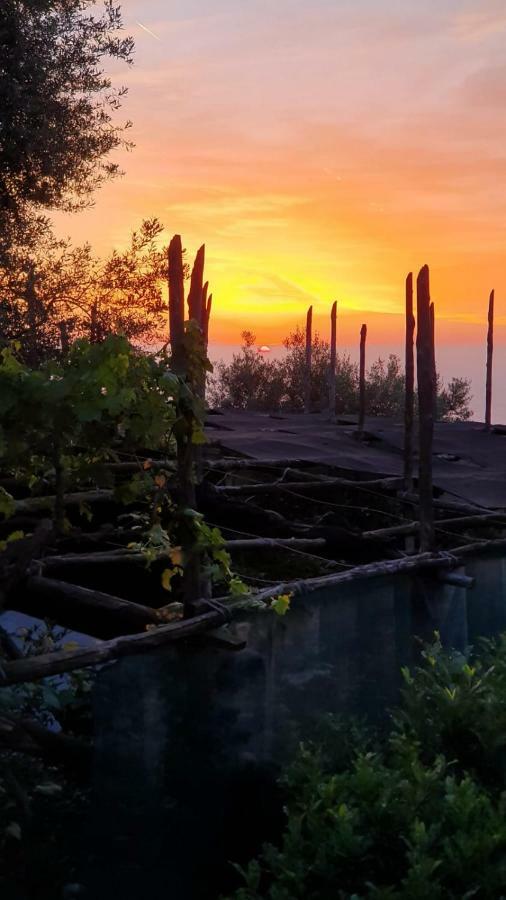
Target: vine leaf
(281,604)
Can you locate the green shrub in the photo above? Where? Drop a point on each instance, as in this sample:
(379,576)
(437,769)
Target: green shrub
(251,381)
(419,813)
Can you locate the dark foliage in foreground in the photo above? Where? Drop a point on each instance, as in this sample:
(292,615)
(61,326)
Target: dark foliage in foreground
(420,814)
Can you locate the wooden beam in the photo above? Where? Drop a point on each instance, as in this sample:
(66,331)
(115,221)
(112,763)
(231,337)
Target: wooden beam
(433,357)
(424,351)
(361,412)
(333,361)
(490,354)
(409,402)
(64,601)
(123,555)
(207,319)
(36,667)
(196,287)
(176,304)
(309,350)
(273,487)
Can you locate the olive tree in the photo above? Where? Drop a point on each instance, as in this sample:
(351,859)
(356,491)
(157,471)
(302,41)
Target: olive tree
(57,105)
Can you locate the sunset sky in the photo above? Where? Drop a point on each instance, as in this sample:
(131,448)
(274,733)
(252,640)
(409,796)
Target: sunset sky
(321,150)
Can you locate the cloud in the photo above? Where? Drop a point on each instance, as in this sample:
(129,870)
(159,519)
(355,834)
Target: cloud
(488,18)
(487,87)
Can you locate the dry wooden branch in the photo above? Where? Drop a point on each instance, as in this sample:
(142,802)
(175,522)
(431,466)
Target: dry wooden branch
(73,599)
(36,667)
(43,504)
(61,661)
(108,557)
(443,503)
(370,570)
(486,518)
(274,487)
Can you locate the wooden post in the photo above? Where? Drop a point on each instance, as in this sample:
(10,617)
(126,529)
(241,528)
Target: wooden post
(185,447)
(361,411)
(333,360)
(433,357)
(64,337)
(203,306)
(207,318)
(307,373)
(409,399)
(424,357)
(197,287)
(33,319)
(176,304)
(490,353)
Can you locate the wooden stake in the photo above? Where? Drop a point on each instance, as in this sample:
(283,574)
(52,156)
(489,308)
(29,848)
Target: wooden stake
(203,305)
(196,287)
(186,455)
(176,304)
(64,337)
(425,356)
(490,353)
(433,357)
(361,413)
(307,373)
(409,402)
(207,318)
(333,360)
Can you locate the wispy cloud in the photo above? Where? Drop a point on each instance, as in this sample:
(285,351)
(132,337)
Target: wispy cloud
(480,20)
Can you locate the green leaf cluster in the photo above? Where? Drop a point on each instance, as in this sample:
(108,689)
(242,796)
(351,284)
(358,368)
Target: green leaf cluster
(104,398)
(419,814)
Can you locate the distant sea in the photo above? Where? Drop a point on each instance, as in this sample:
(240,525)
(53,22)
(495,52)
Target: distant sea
(464,361)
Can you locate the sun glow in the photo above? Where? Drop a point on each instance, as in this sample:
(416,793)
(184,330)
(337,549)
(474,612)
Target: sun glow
(361,148)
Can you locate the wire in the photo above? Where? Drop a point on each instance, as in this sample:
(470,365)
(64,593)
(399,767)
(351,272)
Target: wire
(329,562)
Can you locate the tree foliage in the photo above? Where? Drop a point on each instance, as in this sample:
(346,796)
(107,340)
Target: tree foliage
(252,382)
(57,129)
(66,293)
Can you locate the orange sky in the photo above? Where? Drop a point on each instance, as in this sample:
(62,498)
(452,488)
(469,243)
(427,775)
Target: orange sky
(321,151)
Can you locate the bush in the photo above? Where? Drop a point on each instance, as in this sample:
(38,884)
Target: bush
(419,815)
(252,382)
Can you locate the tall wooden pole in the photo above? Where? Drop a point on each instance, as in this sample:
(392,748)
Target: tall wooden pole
(409,400)
(307,372)
(197,287)
(333,360)
(361,412)
(176,304)
(186,457)
(424,358)
(433,357)
(207,317)
(64,337)
(490,353)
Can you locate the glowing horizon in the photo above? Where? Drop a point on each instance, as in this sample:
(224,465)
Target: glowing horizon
(320,153)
